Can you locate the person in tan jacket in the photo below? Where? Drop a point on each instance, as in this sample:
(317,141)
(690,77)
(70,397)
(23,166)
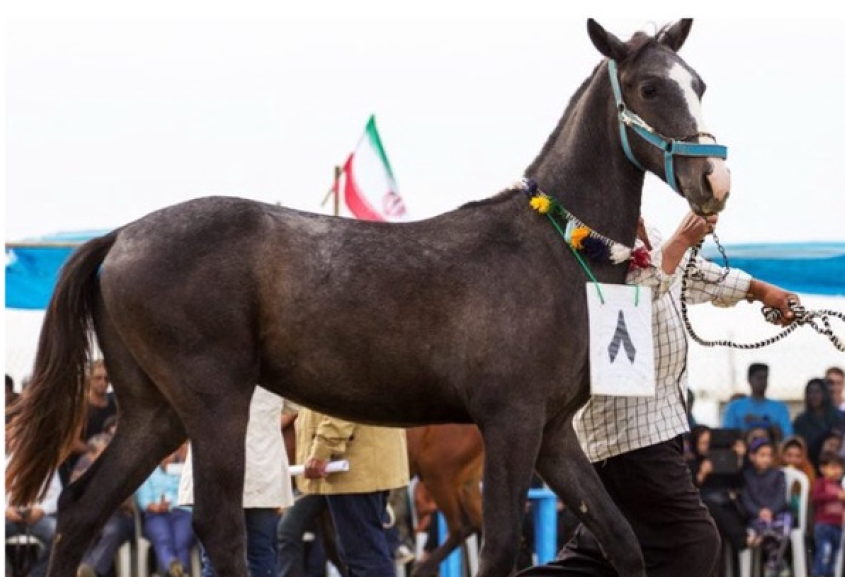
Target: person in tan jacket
(357,498)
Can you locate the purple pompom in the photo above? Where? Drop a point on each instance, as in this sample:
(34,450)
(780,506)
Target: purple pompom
(595,249)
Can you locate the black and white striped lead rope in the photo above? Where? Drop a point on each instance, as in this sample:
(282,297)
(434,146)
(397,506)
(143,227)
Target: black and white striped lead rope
(818,320)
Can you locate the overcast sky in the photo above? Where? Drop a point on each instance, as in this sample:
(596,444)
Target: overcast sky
(111,117)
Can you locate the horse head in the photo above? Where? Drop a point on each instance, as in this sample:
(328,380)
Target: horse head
(657,107)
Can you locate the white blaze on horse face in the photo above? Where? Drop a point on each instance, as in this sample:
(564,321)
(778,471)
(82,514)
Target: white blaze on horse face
(719,177)
(683,78)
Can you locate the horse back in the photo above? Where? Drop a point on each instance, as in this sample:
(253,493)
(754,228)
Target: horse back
(352,318)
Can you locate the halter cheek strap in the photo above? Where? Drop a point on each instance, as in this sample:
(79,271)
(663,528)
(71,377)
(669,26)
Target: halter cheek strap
(669,146)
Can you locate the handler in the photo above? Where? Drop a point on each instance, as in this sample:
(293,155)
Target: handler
(635,443)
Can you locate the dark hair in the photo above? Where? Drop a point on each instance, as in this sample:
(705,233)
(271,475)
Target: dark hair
(695,434)
(10,382)
(755,367)
(831,458)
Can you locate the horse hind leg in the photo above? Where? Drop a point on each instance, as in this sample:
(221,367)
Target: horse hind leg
(148,431)
(218,431)
(563,465)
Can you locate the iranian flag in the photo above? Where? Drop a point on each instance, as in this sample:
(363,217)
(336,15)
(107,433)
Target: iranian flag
(369,188)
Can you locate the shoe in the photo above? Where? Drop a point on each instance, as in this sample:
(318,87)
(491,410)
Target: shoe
(176,569)
(403,554)
(85,570)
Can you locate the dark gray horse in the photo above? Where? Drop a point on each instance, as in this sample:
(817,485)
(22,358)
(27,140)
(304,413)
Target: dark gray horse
(477,315)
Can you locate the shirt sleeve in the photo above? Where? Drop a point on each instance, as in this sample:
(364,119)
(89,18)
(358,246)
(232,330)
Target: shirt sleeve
(145,493)
(785,423)
(331,438)
(653,275)
(707,288)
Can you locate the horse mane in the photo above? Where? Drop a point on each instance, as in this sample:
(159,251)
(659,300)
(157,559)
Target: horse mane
(550,141)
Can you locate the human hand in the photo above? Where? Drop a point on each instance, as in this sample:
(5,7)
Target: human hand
(739,448)
(706,467)
(766,514)
(841,495)
(693,228)
(776,298)
(315,468)
(13,515)
(34,515)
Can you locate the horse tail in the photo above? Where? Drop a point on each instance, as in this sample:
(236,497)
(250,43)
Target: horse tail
(48,417)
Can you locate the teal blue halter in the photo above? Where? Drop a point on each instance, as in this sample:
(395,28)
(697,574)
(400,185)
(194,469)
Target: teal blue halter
(669,146)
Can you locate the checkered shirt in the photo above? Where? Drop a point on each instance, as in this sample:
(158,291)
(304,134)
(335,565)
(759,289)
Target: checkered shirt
(608,426)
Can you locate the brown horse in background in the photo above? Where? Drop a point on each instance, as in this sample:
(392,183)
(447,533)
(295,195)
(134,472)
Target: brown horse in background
(449,461)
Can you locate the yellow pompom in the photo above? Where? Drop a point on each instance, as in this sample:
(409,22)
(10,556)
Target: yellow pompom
(578,235)
(541,203)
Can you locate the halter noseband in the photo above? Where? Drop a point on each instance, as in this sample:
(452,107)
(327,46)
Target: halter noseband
(669,146)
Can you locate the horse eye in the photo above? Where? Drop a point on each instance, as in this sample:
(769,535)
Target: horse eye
(648,91)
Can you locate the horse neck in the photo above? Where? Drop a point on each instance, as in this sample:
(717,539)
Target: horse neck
(584,167)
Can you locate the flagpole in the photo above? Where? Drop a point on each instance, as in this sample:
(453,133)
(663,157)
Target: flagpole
(337,172)
(334,191)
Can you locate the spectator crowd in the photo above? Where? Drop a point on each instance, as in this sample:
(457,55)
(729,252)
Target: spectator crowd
(738,468)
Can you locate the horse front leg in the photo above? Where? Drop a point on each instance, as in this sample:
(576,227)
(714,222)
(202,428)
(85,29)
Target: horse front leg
(563,465)
(511,444)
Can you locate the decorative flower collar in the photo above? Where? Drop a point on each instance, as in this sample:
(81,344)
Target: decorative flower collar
(578,235)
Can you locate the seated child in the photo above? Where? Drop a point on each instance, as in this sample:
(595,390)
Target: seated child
(764,499)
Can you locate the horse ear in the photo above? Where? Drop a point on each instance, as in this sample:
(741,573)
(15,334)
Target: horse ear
(675,35)
(605,42)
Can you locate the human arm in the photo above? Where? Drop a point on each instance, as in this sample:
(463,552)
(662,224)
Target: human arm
(749,503)
(783,421)
(665,258)
(730,418)
(147,497)
(704,469)
(781,503)
(330,440)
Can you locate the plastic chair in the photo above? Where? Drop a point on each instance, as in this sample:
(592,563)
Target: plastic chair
(751,558)
(25,550)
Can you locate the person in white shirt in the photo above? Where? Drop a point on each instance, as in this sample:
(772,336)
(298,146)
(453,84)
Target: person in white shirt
(37,520)
(267,483)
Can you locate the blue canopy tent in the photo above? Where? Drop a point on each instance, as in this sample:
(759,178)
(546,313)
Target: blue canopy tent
(32,267)
(805,267)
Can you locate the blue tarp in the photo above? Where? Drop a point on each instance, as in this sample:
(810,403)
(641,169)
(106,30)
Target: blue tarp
(32,267)
(803,267)
(808,267)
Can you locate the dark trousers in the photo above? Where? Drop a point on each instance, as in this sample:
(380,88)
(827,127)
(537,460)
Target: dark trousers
(260,524)
(654,490)
(298,519)
(362,542)
(119,529)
